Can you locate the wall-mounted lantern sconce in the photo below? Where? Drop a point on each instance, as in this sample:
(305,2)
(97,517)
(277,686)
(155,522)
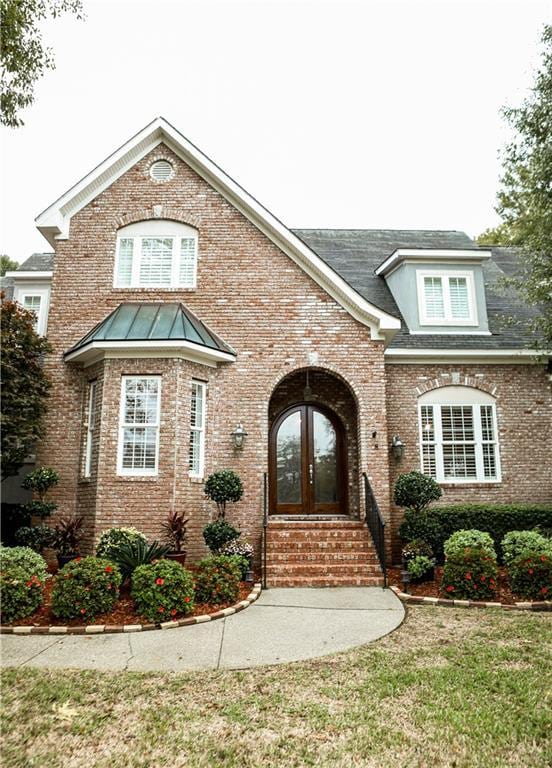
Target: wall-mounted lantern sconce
(238,436)
(397,447)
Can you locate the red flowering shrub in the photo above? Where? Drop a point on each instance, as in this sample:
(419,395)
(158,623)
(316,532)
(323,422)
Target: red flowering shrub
(470,574)
(85,588)
(531,575)
(218,580)
(162,590)
(21,592)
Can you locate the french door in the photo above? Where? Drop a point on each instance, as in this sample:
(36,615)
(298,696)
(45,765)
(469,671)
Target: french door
(307,462)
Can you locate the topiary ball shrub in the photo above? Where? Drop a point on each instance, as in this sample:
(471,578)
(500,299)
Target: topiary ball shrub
(458,542)
(217,580)
(36,537)
(26,558)
(470,574)
(111,540)
(21,593)
(415,491)
(516,542)
(85,588)
(530,575)
(218,534)
(162,590)
(222,487)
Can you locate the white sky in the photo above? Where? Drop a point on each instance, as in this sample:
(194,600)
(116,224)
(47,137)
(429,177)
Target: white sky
(332,114)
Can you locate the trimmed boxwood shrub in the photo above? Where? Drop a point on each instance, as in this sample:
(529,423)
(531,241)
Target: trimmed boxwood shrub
(437,524)
(415,491)
(460,540)
(162,590)
(219,533)
(218,580)
(85,588)
(470,574)
(420,566)
(531,575)
(515,542)
(111,540)
(26,558)
(21,593)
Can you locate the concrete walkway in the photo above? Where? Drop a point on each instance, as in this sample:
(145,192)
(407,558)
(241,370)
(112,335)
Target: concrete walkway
(283,625)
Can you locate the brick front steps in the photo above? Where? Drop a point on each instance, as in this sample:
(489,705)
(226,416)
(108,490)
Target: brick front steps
(321,553)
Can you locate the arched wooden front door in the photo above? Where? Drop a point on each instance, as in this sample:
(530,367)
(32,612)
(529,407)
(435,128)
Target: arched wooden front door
(308,474)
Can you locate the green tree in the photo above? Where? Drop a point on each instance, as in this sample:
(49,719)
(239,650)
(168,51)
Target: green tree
(23,55)
(25,386)
(7,264)
(525,197)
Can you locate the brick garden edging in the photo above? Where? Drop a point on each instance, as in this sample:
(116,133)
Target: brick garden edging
(105,629)
(420,600)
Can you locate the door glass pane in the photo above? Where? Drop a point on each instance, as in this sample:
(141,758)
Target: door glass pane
(288,460)
(325,460)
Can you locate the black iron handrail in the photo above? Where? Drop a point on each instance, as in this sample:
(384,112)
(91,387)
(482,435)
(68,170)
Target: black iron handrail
(265,524)
(376,524)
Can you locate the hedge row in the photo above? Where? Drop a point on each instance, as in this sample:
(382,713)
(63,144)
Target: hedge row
(436,524)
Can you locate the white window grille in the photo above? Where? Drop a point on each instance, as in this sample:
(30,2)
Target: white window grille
(90,426)
(446,298)
(197,429)
(139,425)
(458,436)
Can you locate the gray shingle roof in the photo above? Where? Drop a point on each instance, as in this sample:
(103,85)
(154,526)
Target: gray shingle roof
(157,321)
(356,253)
(37,262)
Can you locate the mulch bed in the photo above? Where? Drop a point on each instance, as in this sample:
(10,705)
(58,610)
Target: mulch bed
(122,613)
(432,588)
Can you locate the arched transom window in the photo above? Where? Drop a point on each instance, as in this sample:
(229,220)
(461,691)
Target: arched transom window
(156,254)
(459,435)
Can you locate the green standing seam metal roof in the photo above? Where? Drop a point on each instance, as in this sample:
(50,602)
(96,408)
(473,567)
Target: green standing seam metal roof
(153,322)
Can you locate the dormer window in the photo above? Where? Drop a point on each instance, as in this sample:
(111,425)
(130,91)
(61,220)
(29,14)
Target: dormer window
(156,254)
(446,298)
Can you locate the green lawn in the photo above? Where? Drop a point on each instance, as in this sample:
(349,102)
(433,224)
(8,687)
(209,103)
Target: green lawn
(449,688)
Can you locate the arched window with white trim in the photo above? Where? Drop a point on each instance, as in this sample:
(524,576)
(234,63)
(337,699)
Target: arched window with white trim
(459,436)
(156,254)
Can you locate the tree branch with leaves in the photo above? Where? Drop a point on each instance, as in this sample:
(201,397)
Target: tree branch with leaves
(23,56)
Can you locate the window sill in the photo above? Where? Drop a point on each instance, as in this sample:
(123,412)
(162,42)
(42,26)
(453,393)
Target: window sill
(468,483)
(136,478)
(149,288)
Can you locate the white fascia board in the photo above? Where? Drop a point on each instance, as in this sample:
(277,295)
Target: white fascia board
(431,254)
(55,220)
(30,275)
(491,356)
(96,350)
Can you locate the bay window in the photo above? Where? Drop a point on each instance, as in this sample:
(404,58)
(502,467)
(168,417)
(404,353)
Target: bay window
(139,425)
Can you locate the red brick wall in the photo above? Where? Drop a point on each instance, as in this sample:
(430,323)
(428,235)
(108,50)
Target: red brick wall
(249,292)
(524,415)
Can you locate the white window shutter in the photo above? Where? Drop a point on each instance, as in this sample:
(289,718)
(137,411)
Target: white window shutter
(459,302)
(434,300)
(187,262)
(124,264)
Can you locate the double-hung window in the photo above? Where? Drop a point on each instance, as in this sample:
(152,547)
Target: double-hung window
(35,299)
(90,426)
(139,425)
(156,254)
(446,298)
(197,429)
(458,436)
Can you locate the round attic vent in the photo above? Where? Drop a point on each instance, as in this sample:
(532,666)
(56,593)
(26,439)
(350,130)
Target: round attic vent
(161,170)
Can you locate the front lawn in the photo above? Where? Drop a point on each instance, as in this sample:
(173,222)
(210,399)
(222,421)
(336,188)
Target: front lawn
(451,687)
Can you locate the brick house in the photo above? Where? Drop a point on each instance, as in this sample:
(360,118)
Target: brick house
(180,309)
